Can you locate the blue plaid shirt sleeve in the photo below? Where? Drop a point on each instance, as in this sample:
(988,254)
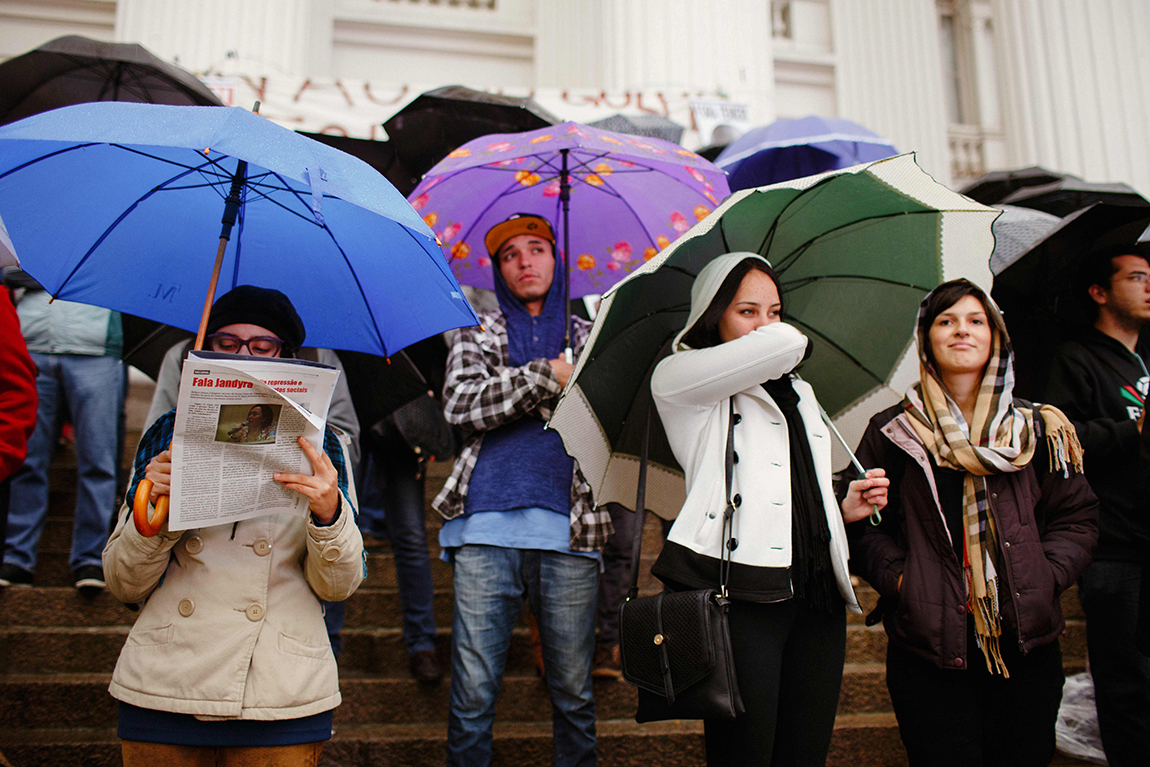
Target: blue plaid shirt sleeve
(156,440)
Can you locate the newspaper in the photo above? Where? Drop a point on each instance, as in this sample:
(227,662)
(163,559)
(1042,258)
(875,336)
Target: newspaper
(237,422)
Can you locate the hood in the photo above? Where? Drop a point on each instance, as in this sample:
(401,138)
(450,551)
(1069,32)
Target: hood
(706,285)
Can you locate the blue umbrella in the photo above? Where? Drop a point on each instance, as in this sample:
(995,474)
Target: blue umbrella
(119,204)
(788,149)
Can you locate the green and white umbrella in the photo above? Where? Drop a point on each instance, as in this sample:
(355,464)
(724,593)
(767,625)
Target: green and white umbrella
(855,250)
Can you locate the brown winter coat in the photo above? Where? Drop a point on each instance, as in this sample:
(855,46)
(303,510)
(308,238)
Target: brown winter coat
(1047,526)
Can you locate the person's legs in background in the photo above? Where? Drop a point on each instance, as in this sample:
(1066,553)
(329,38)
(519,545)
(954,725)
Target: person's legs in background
(1110,593)
(94,388)
(561,590)
(614,582)
(28,495)
(395,472)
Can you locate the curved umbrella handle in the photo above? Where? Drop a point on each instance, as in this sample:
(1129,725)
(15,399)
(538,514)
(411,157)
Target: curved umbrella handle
(148,525)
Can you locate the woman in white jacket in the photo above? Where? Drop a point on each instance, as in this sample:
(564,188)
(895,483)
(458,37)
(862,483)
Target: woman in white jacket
(788,576)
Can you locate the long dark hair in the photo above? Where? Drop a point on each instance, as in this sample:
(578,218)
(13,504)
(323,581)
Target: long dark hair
(942,298)
(705,331)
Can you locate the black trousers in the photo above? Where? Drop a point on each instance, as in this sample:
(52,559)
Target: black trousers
(789,664)
(972,718)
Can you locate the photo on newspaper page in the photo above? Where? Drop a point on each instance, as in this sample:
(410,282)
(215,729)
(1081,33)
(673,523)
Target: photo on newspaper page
(237,422)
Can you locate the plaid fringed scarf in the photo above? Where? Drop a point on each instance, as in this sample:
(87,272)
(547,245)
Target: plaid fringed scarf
(1004,441)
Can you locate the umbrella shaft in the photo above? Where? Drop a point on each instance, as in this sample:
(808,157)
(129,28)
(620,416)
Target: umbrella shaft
(211,297)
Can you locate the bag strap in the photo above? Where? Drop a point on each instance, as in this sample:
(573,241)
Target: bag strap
(729,543)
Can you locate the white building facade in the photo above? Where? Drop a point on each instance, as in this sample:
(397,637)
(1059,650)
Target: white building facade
(970,85)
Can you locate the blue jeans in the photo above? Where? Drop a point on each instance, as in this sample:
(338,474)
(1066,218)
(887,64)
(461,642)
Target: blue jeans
(1109,592)
(90,389)
(391,506)
(490,585)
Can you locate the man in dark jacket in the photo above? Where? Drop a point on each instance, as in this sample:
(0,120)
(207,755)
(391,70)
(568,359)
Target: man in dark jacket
(1100,381)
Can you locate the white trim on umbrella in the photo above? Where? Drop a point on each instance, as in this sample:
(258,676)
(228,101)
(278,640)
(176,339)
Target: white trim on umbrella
(723,162)
(7,249)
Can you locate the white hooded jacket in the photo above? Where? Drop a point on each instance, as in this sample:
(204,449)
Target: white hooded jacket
(691,390)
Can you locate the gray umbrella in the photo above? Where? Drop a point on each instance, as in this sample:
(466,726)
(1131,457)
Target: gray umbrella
(651,126)
(1016,231)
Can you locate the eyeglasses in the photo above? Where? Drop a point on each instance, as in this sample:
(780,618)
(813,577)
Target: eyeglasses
(1142,278)
(260,346)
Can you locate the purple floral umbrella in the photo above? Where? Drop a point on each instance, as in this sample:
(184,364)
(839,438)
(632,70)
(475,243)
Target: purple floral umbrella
(630,197)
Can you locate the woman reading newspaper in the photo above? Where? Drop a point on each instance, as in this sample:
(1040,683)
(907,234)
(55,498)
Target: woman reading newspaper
(230,652)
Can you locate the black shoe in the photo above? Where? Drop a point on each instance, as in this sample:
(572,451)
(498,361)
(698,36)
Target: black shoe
(425,668)
(90,579)
(11,575)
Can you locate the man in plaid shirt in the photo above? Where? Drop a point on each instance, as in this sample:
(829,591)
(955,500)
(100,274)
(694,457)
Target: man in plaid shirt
(520,520)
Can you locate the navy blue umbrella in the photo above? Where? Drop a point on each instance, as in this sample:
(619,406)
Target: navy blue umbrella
(120,205)
(793,148)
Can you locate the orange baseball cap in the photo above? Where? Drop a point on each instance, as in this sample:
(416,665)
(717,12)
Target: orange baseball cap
(520,223)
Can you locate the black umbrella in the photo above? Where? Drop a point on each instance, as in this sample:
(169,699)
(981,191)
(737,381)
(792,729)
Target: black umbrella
(1070,193)
(73,70)
(435,123)
(996,186)
(1039,293)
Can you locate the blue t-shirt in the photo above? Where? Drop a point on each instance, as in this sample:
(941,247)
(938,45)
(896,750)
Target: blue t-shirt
(526,528)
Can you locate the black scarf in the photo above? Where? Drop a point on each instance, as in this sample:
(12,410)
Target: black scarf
(812,574)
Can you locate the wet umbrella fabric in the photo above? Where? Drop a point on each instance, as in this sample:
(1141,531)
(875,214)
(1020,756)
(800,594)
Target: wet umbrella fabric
(74,70)
(440,120)
(651,126)
(793,148)
(630,197)
(996,186)
(1015,232)
(855,251)
(1070,193)
(119,205)
(1038,293)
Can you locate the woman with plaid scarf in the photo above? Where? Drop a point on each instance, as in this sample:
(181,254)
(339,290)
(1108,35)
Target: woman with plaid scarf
(989,519)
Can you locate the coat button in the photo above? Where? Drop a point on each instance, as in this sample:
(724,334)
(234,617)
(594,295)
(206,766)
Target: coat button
(262,547)
(1007,544)
(737,500)
(331,553)
(254,612)
(194,545)
(734,456)
(737,419)
(960,610)
(958,662)
(186,607)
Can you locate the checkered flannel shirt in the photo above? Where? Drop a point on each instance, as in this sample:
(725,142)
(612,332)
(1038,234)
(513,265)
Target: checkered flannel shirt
(482,391)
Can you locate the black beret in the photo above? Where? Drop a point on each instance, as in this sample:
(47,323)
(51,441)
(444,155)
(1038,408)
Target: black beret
(266,307)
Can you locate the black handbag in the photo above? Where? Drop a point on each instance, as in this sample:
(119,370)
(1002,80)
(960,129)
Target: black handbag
(676,646)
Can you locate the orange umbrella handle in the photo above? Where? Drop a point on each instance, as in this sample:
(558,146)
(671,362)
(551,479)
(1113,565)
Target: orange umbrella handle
(148,526)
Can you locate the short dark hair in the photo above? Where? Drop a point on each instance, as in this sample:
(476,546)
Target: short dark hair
(705,332)
(940,299)
(1098,268)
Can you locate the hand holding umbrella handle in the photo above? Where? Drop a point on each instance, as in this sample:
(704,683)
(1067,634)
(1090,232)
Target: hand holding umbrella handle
(876,517)
(148,525)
